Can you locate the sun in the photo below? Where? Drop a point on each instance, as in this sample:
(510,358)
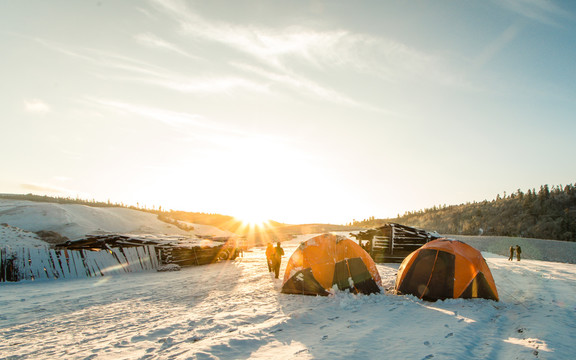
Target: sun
(253,219)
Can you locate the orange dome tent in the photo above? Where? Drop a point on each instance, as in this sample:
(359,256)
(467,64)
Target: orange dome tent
(444,269)
(327,260)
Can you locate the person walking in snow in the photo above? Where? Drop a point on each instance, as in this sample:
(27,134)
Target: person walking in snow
(241,248)
(518,252)
(511,253)
(270,256)
(278,253)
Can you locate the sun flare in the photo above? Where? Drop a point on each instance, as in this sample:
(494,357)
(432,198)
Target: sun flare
(253,220)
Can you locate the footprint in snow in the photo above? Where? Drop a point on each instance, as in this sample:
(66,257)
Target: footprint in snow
(324,337)
(122,343)
(167,342)
(194,338)
(430,356)
(427,343)
(448,335)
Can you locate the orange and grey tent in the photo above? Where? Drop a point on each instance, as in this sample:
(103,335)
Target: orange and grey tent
(325,261)
(443,269)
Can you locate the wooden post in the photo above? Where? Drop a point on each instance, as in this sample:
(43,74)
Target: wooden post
(392,240)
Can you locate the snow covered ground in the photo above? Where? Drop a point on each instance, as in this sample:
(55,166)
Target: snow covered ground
(234,310)
(10,235)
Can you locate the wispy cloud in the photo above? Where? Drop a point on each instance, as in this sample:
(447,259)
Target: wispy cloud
(206,85)
(154,41)
(497,45)
(543,11)
(302,84)
(105,59)
(172,118)
(385,58)
(127,69)
(286,55)
(36,106)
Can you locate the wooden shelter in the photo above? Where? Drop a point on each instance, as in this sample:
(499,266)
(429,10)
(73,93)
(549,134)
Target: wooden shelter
(170,250)
(393,242)
(100,255)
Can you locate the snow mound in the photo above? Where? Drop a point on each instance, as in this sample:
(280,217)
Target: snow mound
(169,267)
(10,235)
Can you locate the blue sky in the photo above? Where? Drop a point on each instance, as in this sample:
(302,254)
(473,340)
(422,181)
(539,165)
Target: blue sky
(300,111)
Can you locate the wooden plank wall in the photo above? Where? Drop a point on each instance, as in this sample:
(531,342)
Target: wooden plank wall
(22,263)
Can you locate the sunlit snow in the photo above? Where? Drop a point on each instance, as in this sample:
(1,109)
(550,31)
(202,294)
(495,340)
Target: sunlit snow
(234,310)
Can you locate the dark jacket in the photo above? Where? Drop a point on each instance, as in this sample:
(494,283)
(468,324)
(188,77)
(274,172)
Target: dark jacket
(279,252)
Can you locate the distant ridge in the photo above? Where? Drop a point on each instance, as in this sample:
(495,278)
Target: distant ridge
(180,218)
(549,213)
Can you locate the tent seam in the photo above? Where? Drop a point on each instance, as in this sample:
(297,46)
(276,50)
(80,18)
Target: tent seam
(431,273)
(350,275)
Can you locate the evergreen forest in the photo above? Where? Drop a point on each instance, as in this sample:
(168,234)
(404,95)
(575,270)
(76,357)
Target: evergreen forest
(549,213)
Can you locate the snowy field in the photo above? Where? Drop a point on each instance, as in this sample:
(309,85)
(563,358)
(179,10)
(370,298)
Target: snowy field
(234,310)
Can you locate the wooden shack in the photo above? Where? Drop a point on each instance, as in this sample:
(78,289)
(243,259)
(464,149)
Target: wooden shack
(170,250)
(101,255)
(393,242)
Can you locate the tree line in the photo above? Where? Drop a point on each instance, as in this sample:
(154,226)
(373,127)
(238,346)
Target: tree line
(547,213)
(78,201)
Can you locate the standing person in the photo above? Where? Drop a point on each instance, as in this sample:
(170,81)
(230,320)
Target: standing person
(518,252)
(278,253)
(511,253)
(270,256)
(241,247)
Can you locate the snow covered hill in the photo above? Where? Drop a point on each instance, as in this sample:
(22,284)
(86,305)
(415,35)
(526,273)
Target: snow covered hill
(76,221)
